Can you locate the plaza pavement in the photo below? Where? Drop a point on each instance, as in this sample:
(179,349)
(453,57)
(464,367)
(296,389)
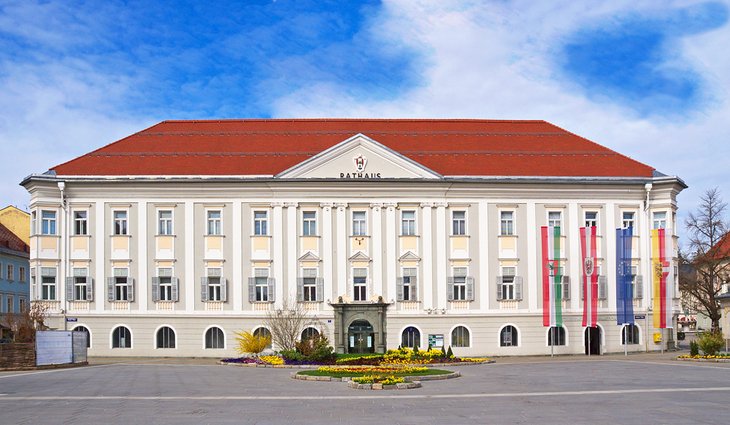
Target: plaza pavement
(609,389)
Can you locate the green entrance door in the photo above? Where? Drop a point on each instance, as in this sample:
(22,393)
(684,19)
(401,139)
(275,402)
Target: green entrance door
(360,337)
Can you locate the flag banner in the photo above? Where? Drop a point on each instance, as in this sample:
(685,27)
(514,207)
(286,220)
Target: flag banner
(552,275)
(662,278)
(624,288)
(590,277)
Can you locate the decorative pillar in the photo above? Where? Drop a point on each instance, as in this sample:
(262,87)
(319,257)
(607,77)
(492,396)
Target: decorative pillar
(342,239)
(391,258)
(426,275)
(441,260)
(376,250)
(326,254)
(278,244)
(291,253)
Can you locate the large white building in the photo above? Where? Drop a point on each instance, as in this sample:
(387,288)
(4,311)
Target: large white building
(388,232)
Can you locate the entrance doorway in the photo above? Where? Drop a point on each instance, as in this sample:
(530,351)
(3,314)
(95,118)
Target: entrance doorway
(360,337)
(593,341)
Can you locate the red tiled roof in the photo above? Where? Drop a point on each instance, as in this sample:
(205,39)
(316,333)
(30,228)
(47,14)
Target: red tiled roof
(10,241)
(721,250)
(270,146)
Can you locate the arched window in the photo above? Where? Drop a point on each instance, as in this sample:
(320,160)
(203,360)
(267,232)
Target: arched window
(460,337)
(309,333)
(121,338)
(88,334)
(214,338)
(165,337)
(558,332)
(632,331)
(411,337)
(263,332)
(508,336)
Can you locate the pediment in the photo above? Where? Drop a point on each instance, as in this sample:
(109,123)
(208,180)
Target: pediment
(359,158)
(359,256)
(409,256)
(309,256)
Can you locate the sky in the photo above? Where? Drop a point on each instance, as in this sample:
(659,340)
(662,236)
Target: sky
(649,79)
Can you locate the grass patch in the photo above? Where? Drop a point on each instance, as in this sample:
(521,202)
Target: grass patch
(343,374)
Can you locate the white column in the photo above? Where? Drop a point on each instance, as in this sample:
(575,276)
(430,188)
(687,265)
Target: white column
(533,259)
(326,254)
(609,253)
(644,217)
(292,252)
(142,263)
(441,232)
(278,263)
(426,276)
(235,286)
(342,239)
(376,250)
(484,283)
(64,264)
(391,254)
(574,256)
(190,256)
(100,237)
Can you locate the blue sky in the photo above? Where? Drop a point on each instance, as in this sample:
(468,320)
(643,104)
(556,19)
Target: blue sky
(647,78)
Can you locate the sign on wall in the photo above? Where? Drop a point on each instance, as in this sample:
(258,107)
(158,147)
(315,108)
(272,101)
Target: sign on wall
(436,340)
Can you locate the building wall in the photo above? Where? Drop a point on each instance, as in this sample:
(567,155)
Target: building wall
(14,276)
(17,220)
(335,252)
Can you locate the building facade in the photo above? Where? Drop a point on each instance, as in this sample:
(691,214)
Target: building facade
(387,232)
(14,272)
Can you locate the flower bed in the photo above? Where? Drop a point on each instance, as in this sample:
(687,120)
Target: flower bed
(379,379)
(714,357)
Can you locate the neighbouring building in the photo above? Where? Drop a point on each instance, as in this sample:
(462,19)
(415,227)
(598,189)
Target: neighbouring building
(17,221)
(388,232)
(14,272)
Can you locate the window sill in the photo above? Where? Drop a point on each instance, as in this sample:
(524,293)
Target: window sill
(120,236)
(257,236)
(159,235)
(81,236)
(507,236)
(218,236)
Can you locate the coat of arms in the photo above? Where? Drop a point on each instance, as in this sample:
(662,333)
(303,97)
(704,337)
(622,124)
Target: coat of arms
(360,163)
(588,266)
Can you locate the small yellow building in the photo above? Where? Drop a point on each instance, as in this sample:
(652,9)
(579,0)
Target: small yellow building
(17,221)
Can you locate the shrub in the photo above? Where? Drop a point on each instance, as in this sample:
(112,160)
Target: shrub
(449,354)
(316,349)
(694,348)
(680,335)
(710,342)
(292,355)
(253,344)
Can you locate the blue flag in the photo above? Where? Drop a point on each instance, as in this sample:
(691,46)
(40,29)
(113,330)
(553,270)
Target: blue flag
(624,289)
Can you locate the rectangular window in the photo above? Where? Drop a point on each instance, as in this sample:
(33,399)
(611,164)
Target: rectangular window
(121,285)
(214,222)
(360,284)
(555,219)
(506,223)
(48,222)
(409,283)
(164,222)
(79,284)
(165,284)
(309,284)
(591,219)
(21,274)
(22,304)
(660,220)
(627,219)
(48,283)
(10,301)
(11,272)
(408,223)
(262,285)
(508,283)
(458,222)
(459,279)
(359,223)
(214,285)
(33,223)
(260,223)
(120,222)
(309,223)
(81,223)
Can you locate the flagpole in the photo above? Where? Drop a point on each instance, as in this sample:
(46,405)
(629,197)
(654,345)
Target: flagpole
(626,340)
(552,346)
(589,340)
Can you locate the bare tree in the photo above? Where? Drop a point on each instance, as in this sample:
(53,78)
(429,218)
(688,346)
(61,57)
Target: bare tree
(704,268)
(25,324)
(286,324)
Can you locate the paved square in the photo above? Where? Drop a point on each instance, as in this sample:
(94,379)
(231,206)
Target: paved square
(638,389)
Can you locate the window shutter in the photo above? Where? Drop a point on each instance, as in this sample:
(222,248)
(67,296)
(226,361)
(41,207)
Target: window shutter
(499,288)
(639,288)
(320,289)
(399,289)
(155,288)
(566,287)
(414,288)
(300,289)
(271,283)
(175,289)
(251,289)
(89,289)
(203,289)
(518,288)
(602,287)
(130,289)
(470,289)
(450,289)
(110,289)
(69,289)
(224,290)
